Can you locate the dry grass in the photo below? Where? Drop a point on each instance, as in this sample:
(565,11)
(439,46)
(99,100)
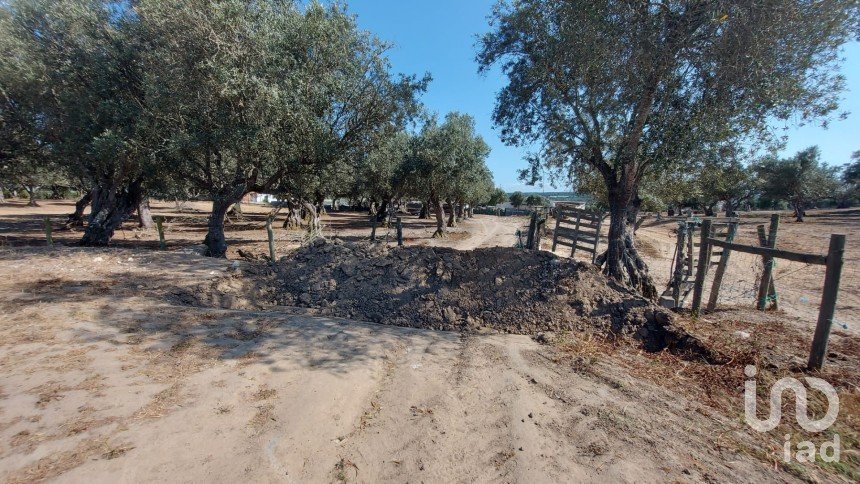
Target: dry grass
(719,388)
(162,403)
(61,462)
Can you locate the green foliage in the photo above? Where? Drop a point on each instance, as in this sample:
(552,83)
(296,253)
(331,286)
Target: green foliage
(799,180)
(448,162)
(535,201)
(71,85)
(517,199)
(496,196)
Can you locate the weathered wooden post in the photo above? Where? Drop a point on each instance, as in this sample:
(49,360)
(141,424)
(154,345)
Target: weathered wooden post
(721,269)
(373,221)
(555,232)
(691,231)
(159,225)
(49,233)
(539,232)
(271,234)
(399,232)
(680,257)
(771,292)
(702,269)
(575,234)
(768,264)
(530,238)
(835,259)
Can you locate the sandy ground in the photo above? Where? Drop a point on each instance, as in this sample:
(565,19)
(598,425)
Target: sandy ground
(105,379)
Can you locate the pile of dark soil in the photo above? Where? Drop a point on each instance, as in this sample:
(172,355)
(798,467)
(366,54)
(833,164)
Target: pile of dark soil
(495,289)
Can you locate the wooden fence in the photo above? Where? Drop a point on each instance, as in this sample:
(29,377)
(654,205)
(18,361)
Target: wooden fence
(578,229)
(833,261)
(685,262)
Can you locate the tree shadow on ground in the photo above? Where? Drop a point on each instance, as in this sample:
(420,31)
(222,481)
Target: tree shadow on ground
(136,310)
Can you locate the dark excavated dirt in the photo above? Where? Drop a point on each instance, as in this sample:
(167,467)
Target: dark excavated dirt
(495,289)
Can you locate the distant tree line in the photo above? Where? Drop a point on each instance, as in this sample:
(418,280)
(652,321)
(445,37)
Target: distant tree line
(800,182)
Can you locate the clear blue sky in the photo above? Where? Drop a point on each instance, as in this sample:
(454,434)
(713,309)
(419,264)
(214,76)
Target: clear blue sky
(439,37)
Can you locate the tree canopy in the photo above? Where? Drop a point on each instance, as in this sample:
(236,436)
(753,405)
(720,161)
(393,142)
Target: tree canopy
(630,88)
(800,180)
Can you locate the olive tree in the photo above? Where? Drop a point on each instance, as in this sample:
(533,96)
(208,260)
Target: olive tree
(261,96)
(72,71)
(799,180)
(627,87)
(443,160)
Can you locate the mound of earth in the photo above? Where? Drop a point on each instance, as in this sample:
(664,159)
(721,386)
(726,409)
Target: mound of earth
(498,289)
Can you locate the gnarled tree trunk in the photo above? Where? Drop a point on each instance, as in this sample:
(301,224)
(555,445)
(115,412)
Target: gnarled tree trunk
(111,205)
(216,241)
(452,217)
(76,219)
(621,260)
(293,220)
(31,192)
(313,218)
(144,215)
(425,210)
(799,210)
(440,218)
(2,196)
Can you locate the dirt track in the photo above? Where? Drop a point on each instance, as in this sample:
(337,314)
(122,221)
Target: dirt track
(103,385)
(104,379)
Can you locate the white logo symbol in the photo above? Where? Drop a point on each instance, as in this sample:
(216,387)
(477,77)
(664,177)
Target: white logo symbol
(799,390)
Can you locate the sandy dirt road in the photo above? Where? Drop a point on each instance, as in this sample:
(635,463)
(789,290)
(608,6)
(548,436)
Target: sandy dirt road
(105,380)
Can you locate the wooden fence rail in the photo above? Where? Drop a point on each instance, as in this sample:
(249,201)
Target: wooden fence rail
(833,261)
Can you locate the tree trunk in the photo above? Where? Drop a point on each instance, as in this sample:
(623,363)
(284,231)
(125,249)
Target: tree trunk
(31,191)
(730,208)
(313,218)
(144,215)
(440,219)
(621,260)
(76,219)
(452,218)
(382,214)
(111,206)
(799,211)
(293,221)
(2,197)
(216,241)
(425,211)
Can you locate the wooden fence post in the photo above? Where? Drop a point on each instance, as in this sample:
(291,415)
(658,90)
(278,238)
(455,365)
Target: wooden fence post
(691,230)
(771,292)
(373,221)
(680,257)
(271,235)
(766,277)
(539,233)
(721,269)
(530,238)
(555,232)
(48,233)
(159,225)
(399,232)
(835,259)
(575,235)
(702,268)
